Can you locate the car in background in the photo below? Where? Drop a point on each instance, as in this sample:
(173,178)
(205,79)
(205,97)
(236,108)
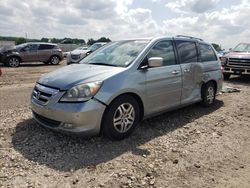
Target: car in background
(78,54)
(65,54)
(113,89)
(237,61)
(31,52)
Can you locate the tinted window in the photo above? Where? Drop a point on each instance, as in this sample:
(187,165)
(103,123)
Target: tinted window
(207,53)
(187,51)
(45,47)
(31,47)
(165,50)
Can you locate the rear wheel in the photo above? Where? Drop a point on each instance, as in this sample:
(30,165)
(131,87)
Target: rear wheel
(226,76)
(208,94)
(121,118)
(54,60)
(13,62)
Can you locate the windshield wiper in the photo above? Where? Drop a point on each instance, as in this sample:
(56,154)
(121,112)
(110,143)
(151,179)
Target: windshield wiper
(106,64)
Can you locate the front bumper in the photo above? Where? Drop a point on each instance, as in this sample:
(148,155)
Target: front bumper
(236,70)
(3,58)
(79,118)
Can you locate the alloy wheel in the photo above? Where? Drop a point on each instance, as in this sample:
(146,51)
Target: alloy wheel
(124,117)
(13,62)
(210,95)
(54,60)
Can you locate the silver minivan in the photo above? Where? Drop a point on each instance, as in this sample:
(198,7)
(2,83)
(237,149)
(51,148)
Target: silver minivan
(124,82)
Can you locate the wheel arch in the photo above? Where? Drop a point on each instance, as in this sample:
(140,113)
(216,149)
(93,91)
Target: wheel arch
(16,56)
(60,59)
(134,95)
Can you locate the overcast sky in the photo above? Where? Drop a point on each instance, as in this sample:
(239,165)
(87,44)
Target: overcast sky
(226,22)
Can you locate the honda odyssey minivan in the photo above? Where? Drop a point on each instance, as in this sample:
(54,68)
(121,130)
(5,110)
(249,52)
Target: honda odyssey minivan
(117,86)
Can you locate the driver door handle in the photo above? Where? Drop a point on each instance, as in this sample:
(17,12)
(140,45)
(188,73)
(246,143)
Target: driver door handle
(187,70)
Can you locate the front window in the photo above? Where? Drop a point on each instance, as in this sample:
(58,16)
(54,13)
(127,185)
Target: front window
(244,47)
(119,54)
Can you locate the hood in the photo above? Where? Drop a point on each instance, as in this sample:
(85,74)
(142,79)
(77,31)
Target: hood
(77,52)
(71,75)
(243,55)
(8,49)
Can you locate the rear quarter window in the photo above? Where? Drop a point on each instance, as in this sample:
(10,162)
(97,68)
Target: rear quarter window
(46,47)
(207,53)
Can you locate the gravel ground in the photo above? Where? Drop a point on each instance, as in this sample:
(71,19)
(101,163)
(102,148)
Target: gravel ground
(190,147)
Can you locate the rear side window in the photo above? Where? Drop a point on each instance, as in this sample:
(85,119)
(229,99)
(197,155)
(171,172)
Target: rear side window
(187,51)
(207,53)
(165,50)
(46,47)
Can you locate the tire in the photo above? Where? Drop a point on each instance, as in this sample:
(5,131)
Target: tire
(13,62)
(54,60)
(121,118)
(226,76)
(208,94)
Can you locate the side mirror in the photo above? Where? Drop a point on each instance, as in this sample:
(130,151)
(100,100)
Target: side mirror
(155,62)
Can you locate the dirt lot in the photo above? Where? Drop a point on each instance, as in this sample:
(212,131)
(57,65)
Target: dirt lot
(190,147)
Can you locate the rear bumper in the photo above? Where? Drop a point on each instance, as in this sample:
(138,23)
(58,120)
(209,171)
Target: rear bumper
(236,70)
(78,118)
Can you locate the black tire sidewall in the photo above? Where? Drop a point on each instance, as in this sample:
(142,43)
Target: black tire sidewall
(107,124)
(205,93)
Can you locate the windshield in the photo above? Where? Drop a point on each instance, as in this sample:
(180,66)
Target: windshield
(244,47)
(119,54)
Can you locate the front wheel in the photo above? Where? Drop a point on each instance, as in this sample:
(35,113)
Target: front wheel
(13,62)
(208,94)
(54,60)
(121,118)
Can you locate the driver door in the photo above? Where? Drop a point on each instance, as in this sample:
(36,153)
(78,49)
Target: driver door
(29,53)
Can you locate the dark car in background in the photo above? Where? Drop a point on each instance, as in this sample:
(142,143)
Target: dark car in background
(31,52)
(237,61)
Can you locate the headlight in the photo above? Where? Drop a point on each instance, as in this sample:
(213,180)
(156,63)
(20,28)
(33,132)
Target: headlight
(223,60)
(82,92)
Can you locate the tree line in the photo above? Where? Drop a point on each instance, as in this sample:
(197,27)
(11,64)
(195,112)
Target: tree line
(20,40)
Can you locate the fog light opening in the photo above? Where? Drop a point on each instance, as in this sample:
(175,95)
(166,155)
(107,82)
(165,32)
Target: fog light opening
(67,125)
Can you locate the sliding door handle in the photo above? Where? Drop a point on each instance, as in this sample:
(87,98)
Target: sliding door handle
(175,72)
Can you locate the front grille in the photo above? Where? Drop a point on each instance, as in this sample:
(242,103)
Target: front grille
(47,121)
(239,62)
(75,57)
(43,94)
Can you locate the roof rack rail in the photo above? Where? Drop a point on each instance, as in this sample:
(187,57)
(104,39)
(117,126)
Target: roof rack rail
(185,36)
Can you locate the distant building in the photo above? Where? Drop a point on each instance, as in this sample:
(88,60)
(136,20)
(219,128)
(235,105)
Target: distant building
(7,43)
